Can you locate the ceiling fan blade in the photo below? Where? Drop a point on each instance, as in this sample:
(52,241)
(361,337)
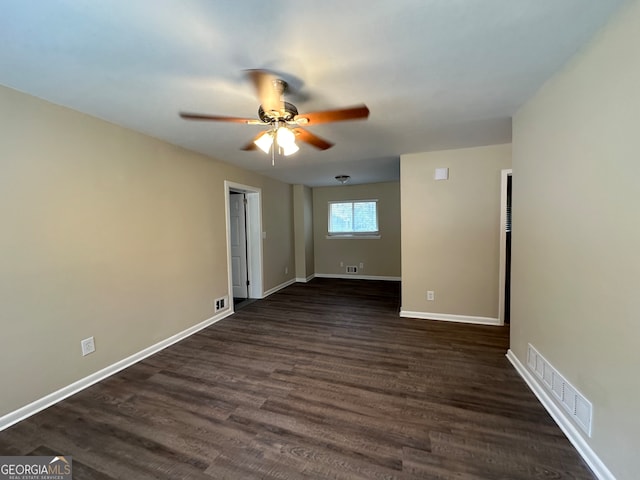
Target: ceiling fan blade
(269,89)
(357,112)
(219,118)
(311,139)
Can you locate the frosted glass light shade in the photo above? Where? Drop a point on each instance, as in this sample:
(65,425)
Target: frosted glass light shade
(289,149)
(264,142)
(285,138)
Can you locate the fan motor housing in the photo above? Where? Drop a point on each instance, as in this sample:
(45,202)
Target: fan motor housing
(287,114)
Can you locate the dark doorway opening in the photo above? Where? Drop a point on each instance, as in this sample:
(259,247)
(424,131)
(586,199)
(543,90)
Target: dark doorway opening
(507,281)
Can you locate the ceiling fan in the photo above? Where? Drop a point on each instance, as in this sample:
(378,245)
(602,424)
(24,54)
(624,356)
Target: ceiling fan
(282,118)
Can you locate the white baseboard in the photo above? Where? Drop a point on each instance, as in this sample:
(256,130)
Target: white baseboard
(278,287)
(357,277)
(305,280)
(445,317)
(577,440)
(22,413)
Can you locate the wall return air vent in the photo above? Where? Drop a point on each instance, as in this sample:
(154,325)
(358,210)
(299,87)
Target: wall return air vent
(574,403)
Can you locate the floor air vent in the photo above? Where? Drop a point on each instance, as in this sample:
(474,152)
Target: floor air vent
(576,405)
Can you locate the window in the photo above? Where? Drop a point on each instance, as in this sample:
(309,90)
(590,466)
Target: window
(353,219)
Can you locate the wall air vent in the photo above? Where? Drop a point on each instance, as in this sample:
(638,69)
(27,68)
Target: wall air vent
(573,402)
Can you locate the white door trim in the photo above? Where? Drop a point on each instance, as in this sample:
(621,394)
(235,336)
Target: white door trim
(503,243)
(254,236)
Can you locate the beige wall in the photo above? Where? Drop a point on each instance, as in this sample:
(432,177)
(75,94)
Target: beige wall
(576,233)
(381,257)
(450,231)
(110,233)
(303,225)
(277,222)
(309,250)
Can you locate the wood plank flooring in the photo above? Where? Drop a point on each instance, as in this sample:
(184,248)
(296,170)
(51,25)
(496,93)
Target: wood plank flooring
(320,380)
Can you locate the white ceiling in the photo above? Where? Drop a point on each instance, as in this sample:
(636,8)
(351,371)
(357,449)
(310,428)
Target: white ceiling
(435,74)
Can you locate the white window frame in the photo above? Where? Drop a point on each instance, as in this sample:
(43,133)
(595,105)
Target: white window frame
(353,235)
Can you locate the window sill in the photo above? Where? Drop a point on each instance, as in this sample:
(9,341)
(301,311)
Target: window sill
(353,237)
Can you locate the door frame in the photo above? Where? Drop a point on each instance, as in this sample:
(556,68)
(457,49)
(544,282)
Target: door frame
(502,278)
(253,234)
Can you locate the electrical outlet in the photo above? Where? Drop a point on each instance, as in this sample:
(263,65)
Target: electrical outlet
(221,303)
(361,265)
(342,264)
(431,295)
(88,346)
(286,270)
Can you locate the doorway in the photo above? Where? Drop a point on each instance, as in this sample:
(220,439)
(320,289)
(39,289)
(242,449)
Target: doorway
(244,242)
(504,297)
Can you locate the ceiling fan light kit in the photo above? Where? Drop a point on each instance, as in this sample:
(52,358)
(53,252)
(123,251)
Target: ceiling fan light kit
(282,137)
(343,178)
(283,118)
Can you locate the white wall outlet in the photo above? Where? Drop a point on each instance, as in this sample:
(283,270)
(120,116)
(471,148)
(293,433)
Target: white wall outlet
(431,295)
(286,270)
(361,265)
(88,346)
(342,264)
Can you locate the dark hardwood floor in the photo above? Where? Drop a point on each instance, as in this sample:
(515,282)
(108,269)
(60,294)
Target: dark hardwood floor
(320,380)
